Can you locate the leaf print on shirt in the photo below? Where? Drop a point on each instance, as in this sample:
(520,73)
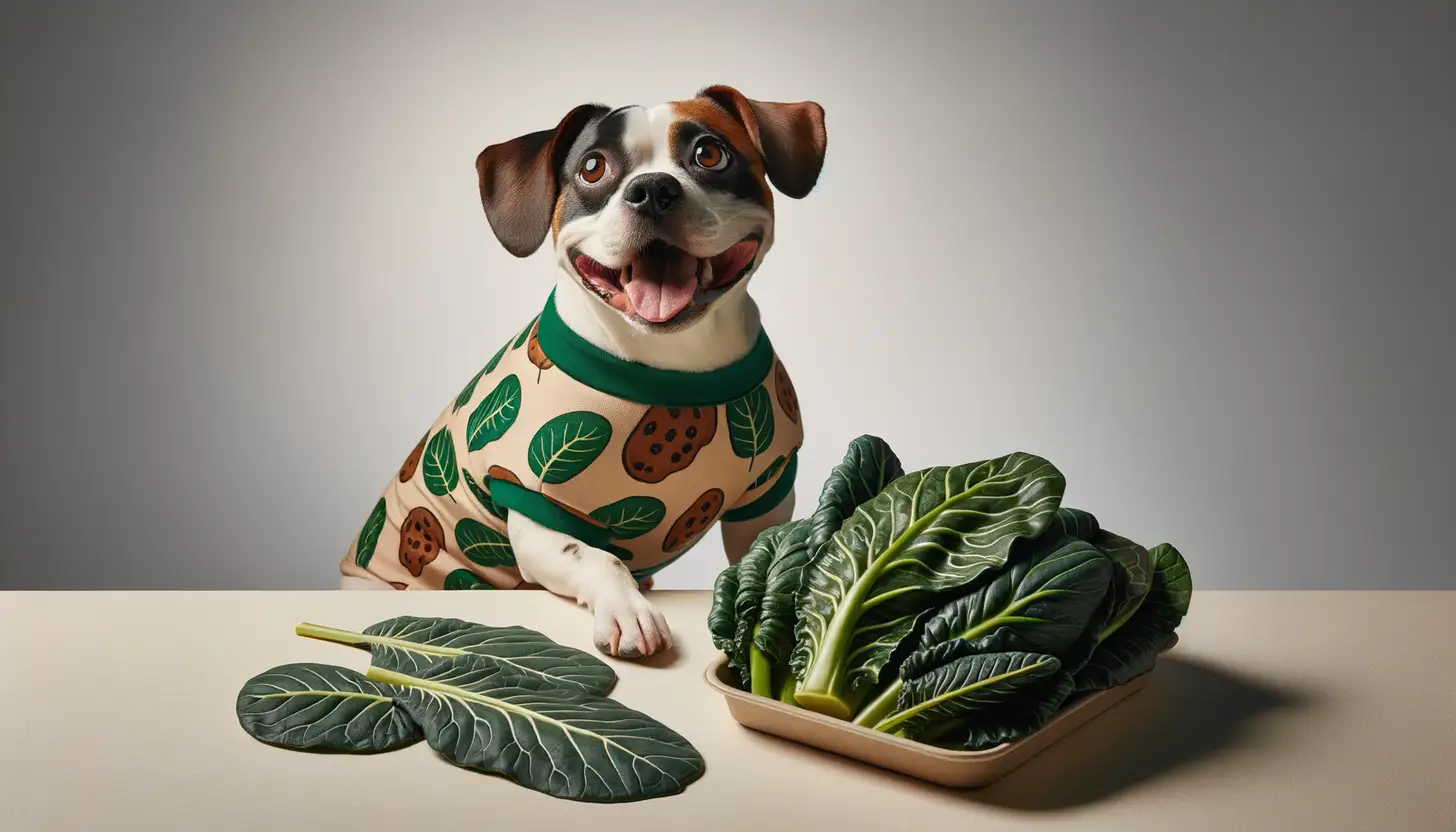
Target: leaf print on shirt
(369,536)
(442,473)
(495,414)
(525,333)
(464,398)
(483,545)
(751,425)
(495,359)
(482,496)
(768,473)
(631,517)
(566,445)
(535,353)
(465,579)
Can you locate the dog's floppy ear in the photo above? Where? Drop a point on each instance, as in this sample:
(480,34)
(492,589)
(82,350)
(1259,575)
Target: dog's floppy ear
(518,184)
(791,137)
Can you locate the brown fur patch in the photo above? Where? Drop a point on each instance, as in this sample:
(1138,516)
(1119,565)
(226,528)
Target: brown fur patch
(706,112)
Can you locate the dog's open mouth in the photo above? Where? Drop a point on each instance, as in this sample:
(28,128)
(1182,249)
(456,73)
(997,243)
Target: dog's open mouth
(663,281)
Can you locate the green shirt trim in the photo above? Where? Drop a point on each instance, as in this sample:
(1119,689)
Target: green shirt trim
(604,372)
(515,497)
(770,499)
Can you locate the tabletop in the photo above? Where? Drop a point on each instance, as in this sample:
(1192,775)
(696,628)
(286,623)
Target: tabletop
(1277,710)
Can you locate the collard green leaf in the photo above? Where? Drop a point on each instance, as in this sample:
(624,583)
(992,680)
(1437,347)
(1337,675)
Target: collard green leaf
(928,532)
(483,545)
(1175,583)
(1133,649)
(752,579)
(408,644)
(1042,602)
(932,703)
(751,424)
(465,579)
(1075,523)
(566,744)
(1016,719)
(1131,579)
(465,394)
(868,467)
(566,445)
(788,545)
(495,414)
(442,473)
(723,614)
(322,707)
(1035,707)
(369,536)
(631,517)
(482,496)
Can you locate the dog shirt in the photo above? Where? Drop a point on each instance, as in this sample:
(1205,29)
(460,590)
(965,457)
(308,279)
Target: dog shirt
(627,458)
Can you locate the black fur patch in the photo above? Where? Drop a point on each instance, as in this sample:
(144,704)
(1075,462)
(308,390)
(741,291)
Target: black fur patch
(604,135)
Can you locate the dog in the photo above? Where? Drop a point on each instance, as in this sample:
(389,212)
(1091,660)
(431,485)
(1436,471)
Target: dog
(645,403)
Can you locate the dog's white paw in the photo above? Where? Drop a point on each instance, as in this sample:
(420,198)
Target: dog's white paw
(629,626)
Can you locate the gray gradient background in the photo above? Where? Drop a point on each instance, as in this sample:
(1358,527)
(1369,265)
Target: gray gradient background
(1198,255)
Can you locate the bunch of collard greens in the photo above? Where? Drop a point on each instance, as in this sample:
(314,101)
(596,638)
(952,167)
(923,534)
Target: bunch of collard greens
(502,700)
(961,606)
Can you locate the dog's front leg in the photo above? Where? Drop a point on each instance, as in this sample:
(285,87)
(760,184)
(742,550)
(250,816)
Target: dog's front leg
(737,537)
(626,624)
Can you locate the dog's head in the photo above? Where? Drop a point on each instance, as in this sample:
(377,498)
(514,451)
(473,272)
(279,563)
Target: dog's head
(656,211)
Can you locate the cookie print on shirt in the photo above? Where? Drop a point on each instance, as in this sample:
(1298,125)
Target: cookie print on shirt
(638,462)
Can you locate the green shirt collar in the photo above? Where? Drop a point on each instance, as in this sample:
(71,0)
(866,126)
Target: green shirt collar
(602,371)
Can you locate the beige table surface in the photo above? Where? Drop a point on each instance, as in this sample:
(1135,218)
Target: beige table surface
(1278,710)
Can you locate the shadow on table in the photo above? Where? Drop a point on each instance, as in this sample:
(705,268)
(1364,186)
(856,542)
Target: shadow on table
(1187,711)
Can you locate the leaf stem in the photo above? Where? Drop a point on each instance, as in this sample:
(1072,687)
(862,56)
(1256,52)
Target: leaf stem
(337,636)
(760,672)
(881,706)
(364,642)
(786,693)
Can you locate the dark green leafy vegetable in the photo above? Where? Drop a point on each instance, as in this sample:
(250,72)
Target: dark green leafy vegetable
(1133,649)
(789,545)
(1042,602)
(752,580)
(967,600)
(322,707)
(868,467)
(564,743)
(723,613)
(408,644)
(1134,572)
(764,607)
(928,532)
(933,703)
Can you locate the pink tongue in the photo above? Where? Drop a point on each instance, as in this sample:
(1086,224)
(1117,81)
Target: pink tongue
(662,286)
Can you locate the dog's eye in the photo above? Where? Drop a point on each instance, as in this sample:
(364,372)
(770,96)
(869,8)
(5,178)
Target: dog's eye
(593,168)
(709,154)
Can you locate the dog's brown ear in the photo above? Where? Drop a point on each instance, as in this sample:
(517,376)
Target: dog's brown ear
(791,137)
(518,184)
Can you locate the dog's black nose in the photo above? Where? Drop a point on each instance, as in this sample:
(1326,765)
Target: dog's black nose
(653,194)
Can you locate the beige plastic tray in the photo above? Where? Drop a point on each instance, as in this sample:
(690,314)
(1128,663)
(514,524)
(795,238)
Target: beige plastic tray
(956,769)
